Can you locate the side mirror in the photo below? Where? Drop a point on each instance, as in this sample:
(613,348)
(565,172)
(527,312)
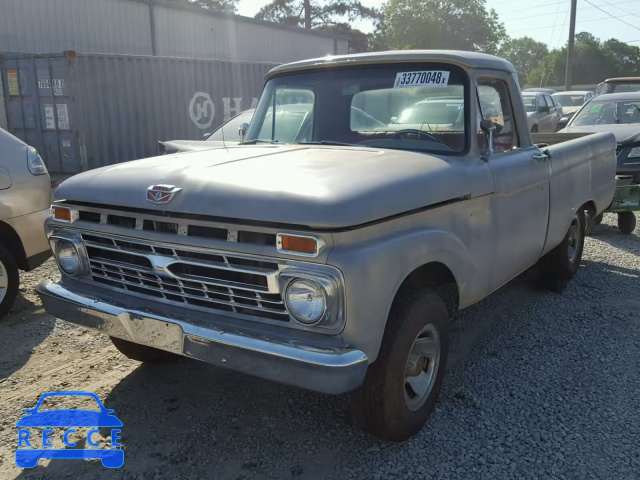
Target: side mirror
(562,123)
(242,131)
(489,128)
(545,109)
(206,135)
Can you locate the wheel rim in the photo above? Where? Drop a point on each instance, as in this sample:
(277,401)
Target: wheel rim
(422,365)
(573,244)
(4,281)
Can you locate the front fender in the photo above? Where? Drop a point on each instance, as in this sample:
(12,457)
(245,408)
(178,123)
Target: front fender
(375,269)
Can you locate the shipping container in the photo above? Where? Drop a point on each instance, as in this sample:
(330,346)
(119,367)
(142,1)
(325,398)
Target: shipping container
(156,28)
(83,111)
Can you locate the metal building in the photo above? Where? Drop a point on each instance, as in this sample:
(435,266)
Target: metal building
(154,27)
(149,70)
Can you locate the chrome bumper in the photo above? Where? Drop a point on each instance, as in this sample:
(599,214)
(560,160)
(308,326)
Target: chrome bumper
(319,368)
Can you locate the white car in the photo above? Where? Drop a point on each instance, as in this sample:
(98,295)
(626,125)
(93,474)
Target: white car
(25,197)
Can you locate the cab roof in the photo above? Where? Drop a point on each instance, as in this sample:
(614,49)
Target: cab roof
(461,58)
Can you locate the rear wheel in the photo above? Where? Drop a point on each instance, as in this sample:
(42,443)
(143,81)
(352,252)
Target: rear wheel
(626,222)
(561,264)
(402,385)
(141,353)
(9,280)
(598,219)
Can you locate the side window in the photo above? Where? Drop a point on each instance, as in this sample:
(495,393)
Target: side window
(541,102)
(550,101)
(495,103)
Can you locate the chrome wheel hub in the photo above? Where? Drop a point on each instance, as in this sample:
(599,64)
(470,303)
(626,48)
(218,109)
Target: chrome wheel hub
(574,239)
(421,369)
(4,281)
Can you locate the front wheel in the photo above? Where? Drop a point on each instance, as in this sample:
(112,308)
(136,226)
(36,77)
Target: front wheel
(402,385)
(626,222)
(562,263)
(9,280)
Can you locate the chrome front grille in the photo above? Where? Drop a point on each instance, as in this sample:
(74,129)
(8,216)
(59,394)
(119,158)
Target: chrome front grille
(202,280)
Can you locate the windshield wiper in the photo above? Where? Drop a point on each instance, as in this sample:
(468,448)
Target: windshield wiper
(258,140)
(328,142)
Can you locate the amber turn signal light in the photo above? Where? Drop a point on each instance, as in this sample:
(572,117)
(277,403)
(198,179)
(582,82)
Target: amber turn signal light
(297,244)
(64,214)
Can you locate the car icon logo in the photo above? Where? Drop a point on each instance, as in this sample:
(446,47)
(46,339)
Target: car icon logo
(160,194)
(67,419)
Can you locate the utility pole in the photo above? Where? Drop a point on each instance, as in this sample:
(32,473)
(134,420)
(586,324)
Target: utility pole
(568,80)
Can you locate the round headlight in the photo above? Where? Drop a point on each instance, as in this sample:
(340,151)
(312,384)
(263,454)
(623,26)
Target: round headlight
(305,300)
(67,257)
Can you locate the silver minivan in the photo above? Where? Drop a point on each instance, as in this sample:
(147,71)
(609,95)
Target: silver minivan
(543,112)
(25,197)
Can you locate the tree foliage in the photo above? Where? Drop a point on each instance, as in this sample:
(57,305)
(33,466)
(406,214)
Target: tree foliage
(332,16)
(593,62)
(319,13)
(525,54)
(226,6)
(449,24)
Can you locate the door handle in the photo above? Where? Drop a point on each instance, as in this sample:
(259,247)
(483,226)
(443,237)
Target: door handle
(541,157)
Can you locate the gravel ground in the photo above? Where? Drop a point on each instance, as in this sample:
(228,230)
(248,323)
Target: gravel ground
(540,385)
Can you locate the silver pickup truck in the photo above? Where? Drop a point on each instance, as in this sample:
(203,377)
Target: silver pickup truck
(325,253)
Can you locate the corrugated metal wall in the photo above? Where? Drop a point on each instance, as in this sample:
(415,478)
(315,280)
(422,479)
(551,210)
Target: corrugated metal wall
(93,110)
(153,27)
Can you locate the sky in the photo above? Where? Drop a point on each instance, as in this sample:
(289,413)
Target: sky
(544,20)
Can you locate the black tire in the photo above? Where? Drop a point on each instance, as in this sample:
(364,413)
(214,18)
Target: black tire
(378,406)
(560,265)
(9,270)
(141,353)
(626,222)
(598,219)
(590,223)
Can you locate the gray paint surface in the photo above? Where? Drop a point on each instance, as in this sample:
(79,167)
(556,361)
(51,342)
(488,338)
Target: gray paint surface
(146,27)
(87,111)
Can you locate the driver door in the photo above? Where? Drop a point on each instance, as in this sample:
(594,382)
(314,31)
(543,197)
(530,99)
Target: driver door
(520,204)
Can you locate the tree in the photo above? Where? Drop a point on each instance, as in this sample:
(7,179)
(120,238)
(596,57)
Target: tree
(525,54)
(316,14)
(328,15)
(592,63)
(226,6)
(450,24)
(628,56)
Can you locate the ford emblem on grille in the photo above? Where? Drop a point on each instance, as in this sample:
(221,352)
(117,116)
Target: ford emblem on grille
(161,193)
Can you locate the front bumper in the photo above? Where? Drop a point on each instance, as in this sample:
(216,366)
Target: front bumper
(303,364)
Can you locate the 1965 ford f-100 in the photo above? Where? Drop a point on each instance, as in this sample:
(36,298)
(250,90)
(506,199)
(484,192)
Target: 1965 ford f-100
(327,251)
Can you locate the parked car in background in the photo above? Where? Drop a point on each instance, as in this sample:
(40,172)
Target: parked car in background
(326,253)
(230,133)
(618,113)
(543,112)
(437,113)
(570,102)
(548,91)
(25,197)
(227,134)
(618,85)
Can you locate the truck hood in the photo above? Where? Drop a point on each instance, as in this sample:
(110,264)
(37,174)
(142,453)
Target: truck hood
(625,134)
(321,187)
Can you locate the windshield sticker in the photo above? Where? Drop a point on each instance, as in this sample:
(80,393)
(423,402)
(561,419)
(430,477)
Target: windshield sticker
(431,78)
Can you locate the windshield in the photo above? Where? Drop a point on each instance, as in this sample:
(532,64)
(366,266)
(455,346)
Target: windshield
(404,106)
(569,100)
(608,113)
(621,87)
(529,103)
(230,130)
